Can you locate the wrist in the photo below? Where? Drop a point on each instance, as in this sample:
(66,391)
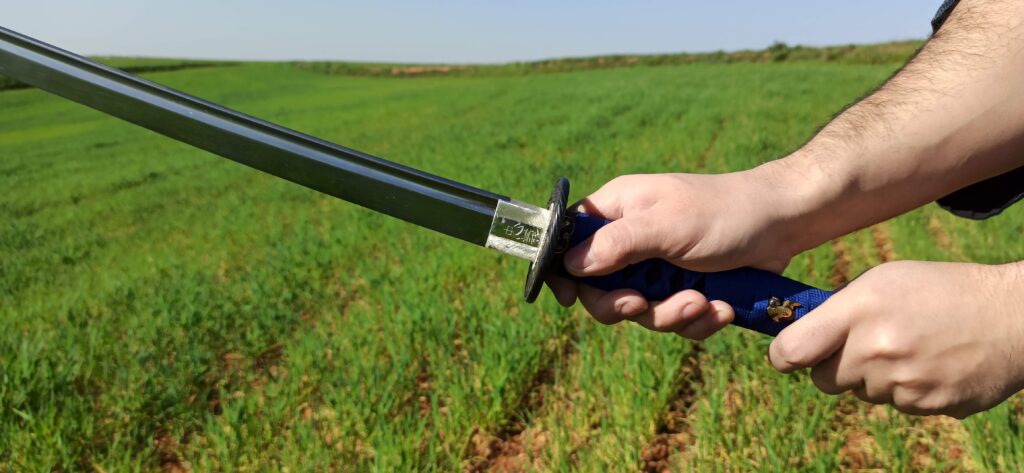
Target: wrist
(801,195)
(1012,277)
(1004,290)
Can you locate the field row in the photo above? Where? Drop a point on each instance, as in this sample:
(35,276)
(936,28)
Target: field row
(167,308)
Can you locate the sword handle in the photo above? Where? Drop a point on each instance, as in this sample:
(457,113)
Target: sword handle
(749,291)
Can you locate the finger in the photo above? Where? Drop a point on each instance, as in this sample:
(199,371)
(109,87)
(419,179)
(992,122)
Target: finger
(879,388)
(674,313)
(812,339)
(836,374)
(719,315)
(611,307)
(607,202)
(920,401)
(613,247)
(563,289)
(875,393)
(608,211)
(861,393)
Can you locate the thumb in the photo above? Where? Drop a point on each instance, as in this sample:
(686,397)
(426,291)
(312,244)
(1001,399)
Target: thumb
(812,339)
(614,246)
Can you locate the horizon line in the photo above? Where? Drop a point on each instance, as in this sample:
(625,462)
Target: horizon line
(501,63)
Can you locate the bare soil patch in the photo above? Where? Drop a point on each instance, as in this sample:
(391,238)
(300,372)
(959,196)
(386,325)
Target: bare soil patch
(673,433)
(705,156)
(840,274)
(883,242)
(505,450)
(166,447)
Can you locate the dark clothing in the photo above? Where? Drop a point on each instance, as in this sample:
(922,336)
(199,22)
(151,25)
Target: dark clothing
(983,199)
(943,13)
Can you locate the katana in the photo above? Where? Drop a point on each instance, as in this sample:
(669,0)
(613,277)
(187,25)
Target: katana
(539,234)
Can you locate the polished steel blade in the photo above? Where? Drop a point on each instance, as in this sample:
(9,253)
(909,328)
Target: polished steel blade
(455,209)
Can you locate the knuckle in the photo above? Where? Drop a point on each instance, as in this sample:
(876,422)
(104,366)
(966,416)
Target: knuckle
(908,380)
(922,402)
(648,194)
(790,351)
(886,344)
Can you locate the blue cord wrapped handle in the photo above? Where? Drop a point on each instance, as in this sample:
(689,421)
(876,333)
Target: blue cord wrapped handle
(749,291)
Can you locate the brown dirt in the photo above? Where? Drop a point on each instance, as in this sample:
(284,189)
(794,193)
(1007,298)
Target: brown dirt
(938,233)
(840,273)
(812,272)
(856,452)
(709,150)
(883,242)
(269,358)
(941,237)
(505,451)
(167,454)
(948,438)
(421,70)
(424,389)
(674,435)
(235,372)
(859,450)
(944,436)
(497,454)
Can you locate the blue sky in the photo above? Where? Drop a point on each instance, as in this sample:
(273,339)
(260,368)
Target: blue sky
(454,31)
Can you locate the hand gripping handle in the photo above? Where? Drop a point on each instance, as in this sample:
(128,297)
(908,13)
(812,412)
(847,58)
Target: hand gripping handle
(749,291)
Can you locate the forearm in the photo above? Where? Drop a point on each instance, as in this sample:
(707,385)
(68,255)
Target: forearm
(953,116)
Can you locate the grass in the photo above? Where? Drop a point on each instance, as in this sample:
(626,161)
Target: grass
(168,309)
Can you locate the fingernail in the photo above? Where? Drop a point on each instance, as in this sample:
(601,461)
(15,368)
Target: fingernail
(632,307)
(579,260)
(691,310)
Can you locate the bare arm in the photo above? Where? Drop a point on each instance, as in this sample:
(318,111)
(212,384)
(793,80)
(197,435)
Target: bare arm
(953,116)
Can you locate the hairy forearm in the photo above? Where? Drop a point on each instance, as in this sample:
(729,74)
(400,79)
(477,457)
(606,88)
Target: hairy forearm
(953,116)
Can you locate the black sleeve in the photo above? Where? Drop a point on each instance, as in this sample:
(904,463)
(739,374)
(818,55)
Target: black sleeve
(943,13)
(987,198)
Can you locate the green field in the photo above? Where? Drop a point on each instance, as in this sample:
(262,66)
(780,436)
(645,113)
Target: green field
(163,308)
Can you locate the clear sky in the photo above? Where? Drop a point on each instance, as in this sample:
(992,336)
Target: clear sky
(453,31)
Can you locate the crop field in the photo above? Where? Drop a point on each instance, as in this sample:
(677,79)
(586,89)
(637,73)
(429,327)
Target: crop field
(162,308)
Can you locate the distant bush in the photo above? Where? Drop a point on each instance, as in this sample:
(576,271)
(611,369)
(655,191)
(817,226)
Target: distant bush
(885,53)
(131,65)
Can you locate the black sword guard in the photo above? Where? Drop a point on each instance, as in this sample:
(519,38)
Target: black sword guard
(558,231)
